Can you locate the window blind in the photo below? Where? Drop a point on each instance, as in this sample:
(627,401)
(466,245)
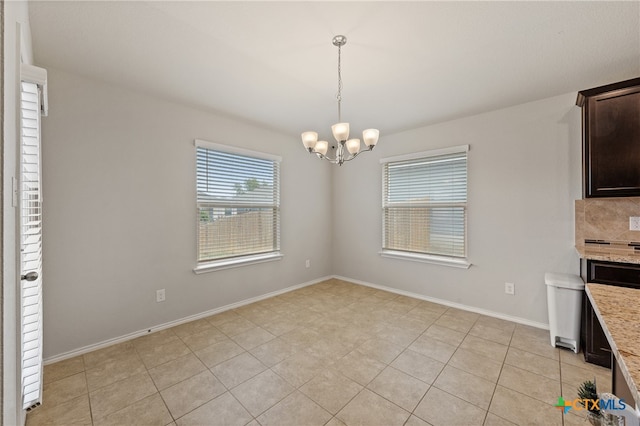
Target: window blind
(31,244)
(425,204)
(238,197)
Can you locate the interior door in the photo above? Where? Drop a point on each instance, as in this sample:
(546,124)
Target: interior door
(30,229)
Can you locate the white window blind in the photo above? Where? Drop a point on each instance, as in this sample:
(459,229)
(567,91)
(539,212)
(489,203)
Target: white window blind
(30,196)
(424,203)
(238,197)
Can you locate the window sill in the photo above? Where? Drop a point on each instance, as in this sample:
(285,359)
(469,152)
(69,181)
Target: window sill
(237,262)
(454,262)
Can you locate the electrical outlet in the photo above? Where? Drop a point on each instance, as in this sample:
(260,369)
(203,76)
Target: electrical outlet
(634,223)
(307,263)
(510,288)
(160,296)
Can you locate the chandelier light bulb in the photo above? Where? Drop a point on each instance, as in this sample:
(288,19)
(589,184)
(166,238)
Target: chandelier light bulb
(309,140)
(370,137)
(353,146)
(321,147)
(340,131)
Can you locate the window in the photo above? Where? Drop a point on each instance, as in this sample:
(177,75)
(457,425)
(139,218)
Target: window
(238,206)
(424,206)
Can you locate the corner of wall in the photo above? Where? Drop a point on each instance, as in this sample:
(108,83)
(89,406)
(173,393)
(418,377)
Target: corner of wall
(334,230)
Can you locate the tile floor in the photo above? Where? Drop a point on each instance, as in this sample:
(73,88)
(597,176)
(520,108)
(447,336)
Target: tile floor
(334,353)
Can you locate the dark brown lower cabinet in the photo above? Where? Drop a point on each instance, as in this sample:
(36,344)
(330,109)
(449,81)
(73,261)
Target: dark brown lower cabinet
(595,345)
(619,385)
(594,342)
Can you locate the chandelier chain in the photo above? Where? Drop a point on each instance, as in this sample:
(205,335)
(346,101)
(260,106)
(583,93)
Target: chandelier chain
(339,96)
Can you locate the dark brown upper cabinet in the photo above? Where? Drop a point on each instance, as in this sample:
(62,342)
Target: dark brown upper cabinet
(611,139)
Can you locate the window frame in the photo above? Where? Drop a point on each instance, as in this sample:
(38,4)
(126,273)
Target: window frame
(438,259)
(240,260)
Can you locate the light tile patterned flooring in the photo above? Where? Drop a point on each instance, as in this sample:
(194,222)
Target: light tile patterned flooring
(333,353)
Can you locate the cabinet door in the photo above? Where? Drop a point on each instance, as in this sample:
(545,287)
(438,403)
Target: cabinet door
(612,143)
(619,386)
(597,349)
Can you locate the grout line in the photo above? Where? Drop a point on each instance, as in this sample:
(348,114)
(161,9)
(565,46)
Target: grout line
(88,394)
(495,386)
(242,405)
(166,406)
(560,378)
(500,374)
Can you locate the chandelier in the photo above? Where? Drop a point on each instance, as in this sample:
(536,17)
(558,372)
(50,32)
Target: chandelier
(347,149)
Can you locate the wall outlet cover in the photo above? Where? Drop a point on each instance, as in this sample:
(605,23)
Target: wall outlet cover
(160,296)
(510,288)
(634,223)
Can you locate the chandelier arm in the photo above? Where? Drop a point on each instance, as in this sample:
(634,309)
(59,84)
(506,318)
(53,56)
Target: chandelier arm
(336,160)
(352,156)
(326,157)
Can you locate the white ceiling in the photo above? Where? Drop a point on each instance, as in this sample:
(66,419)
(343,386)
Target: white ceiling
(406,64)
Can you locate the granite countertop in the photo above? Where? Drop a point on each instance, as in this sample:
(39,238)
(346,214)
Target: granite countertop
(618,309)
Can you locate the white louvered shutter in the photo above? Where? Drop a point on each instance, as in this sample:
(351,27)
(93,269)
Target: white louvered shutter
(30,216)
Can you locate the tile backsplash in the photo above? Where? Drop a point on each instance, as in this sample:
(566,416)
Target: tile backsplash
(606,219)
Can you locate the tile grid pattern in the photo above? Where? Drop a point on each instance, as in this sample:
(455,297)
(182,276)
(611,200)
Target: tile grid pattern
(334,353)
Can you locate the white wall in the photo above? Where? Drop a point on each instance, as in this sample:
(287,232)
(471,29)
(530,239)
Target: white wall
(120,217)
(524,175)
(17,43)
(120,211)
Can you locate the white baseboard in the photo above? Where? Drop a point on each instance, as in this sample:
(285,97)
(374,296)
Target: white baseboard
(130,336)
(486,312)
(135,334)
